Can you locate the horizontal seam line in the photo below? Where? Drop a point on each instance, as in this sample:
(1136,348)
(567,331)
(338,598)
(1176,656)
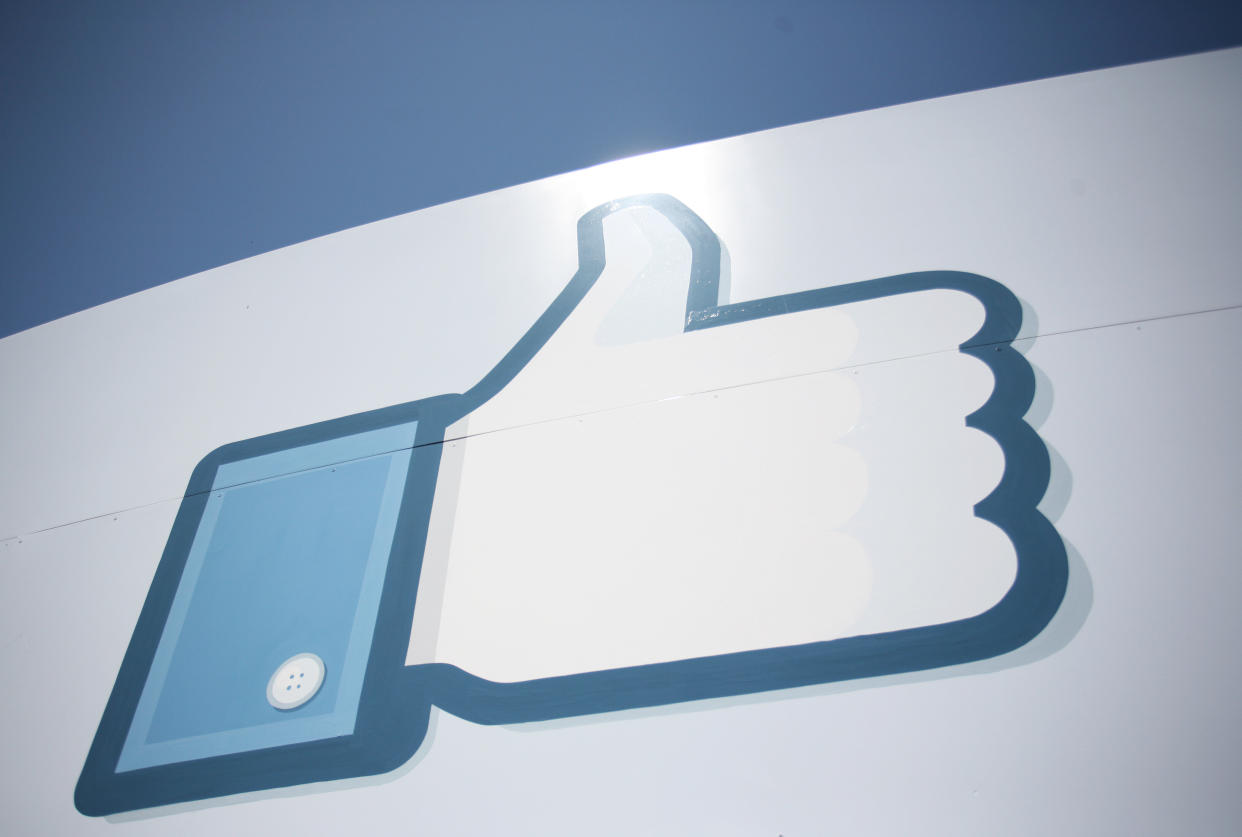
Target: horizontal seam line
(614,408)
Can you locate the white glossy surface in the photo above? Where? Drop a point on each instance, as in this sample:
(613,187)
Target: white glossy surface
(1105,198)
(1121,719)
(1098,198)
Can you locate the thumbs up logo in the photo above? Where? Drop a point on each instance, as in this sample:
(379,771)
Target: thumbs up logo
(657,495)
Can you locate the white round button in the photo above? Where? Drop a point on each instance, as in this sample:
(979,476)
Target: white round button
(296,681)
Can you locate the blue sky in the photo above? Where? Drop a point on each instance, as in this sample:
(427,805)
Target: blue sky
(146,141)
